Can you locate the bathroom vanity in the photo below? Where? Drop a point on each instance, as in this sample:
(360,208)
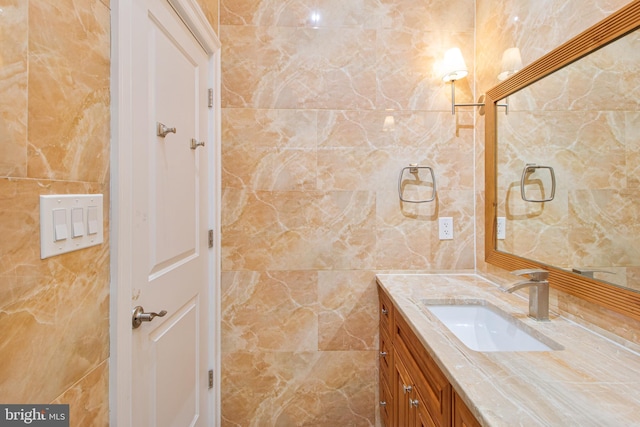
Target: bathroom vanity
(429,377)
(413,389)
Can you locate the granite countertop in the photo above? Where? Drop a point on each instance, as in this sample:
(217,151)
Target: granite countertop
(592,381)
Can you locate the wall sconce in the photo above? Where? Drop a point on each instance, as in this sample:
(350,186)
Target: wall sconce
(455,68)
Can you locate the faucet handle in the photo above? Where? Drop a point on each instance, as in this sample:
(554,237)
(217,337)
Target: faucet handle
(535,274)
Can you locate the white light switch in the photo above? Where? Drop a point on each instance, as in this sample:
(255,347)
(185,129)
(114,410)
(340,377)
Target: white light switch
(69,222)
(60,225)
(77,222)
(92,220)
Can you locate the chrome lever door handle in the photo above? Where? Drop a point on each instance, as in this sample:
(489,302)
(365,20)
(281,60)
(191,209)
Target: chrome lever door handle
(139,316)
(163,130)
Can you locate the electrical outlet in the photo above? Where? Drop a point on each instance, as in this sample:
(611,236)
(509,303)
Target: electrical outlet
(446,228)
(501,232)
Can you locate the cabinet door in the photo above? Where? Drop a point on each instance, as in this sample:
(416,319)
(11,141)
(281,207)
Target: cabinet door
(462,416)
(410,410)
(423,419)
(386,404)
(430,382)
(402,394)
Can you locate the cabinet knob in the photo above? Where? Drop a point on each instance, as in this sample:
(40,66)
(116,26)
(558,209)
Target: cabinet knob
(406,388)
(383,354)
(385,311)
(383,403)
(414,402)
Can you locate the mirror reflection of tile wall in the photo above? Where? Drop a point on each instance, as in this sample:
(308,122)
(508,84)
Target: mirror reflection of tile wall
(583,122)
(535,28)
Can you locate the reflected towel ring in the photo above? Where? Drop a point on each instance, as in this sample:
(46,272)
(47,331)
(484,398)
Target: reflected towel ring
(414,169)
(530,168)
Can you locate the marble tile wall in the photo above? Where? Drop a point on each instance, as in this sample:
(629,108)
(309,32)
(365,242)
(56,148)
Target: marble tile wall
(310,201)
(211,12)
(54,138)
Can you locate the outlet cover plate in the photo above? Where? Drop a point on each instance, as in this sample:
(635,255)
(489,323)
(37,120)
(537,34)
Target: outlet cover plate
(501,228)
(446,228)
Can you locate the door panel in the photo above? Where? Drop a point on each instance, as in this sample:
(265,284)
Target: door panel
(175,353)
(174,174)
(170,221)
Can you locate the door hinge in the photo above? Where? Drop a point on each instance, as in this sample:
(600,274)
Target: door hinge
(210,378)
(210,238)
(210,98)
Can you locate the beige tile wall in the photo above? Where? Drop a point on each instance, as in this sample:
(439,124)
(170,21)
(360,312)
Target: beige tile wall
(311,207)
(310,202)
(211,11)
(54,138)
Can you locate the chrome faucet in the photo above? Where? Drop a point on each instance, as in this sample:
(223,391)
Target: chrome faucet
(588,272)
(538,285)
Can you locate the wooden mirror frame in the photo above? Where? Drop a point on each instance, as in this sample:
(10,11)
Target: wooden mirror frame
(617,25)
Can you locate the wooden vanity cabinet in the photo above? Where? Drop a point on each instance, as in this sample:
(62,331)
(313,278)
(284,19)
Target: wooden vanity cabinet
(386,360)
(413,390)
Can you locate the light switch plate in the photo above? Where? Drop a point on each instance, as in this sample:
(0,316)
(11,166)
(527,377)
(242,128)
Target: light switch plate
(72,205)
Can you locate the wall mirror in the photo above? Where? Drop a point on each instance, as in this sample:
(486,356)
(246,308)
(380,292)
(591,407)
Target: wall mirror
(563,165)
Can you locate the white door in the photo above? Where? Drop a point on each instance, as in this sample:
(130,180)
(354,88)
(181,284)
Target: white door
(170,220)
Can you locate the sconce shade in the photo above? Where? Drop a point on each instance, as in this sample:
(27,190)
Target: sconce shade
(511,63)
(453,66)
(389,124)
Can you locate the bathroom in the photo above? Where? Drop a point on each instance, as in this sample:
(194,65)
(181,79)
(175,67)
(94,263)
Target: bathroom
(310,209)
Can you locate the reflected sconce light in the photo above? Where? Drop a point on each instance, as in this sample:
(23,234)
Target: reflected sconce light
(511,63)
(454,68)
(389,124)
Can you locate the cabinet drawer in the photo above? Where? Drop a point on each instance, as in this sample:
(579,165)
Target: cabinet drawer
(386,403)
(386,357)
(431,383)
(386,313)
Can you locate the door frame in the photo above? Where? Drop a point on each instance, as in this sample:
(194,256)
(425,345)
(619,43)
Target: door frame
(121,214)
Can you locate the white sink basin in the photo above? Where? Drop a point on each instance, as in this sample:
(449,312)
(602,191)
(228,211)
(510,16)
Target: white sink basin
(483,327)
